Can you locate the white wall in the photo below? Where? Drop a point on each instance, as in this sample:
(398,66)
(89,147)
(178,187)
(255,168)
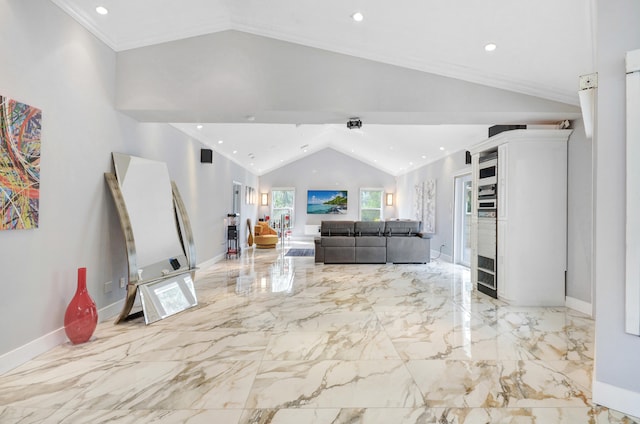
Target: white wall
(617,376)
(51,62)
(327,169)
(443,171)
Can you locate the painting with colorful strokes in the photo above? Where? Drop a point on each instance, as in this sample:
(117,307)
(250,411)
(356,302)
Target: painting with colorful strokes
(20,127)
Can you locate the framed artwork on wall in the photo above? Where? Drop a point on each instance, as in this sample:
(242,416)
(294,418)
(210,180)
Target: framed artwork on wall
(250,195)
(20,128)
(327,202)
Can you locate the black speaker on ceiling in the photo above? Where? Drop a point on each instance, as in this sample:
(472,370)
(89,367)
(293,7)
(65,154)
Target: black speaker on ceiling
(206,156)
(467,157)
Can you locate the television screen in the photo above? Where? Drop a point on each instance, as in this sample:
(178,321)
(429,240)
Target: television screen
(326,201)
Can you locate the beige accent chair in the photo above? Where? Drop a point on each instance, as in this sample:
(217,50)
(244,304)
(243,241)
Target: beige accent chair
(265,236)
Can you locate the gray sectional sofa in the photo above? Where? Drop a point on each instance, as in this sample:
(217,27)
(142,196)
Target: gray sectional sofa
(360,242)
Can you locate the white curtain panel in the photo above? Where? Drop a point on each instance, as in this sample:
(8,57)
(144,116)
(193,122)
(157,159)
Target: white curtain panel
(424,205)
(418,201)
(429,207)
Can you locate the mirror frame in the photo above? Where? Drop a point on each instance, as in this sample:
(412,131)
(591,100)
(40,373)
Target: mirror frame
(134,284)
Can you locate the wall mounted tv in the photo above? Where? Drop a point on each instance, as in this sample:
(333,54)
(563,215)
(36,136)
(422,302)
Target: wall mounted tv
(327,202)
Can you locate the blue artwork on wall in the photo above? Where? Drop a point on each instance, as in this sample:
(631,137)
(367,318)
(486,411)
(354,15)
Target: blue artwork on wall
(326,201)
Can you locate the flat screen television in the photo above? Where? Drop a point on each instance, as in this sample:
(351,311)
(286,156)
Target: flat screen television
(327,202)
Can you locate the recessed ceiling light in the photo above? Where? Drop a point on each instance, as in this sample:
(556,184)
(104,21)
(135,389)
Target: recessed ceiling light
(235,151)
(357,16)
(424,156)
(220,141)
(410,163)
(442,148)
(199,127)
(102,10)
(490,47)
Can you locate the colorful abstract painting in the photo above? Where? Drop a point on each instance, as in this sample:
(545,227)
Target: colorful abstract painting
(20,126)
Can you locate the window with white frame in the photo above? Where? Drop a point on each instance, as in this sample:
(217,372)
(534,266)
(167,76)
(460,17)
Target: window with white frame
(371,204)
(283,202)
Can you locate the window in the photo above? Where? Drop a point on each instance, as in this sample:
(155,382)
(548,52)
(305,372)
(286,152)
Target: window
(282,203)
(371,204)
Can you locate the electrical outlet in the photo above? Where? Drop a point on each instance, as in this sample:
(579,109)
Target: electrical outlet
(123,282)
(108,286)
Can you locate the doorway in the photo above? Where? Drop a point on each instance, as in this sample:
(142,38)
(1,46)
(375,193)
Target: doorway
(237,190)
(462,220)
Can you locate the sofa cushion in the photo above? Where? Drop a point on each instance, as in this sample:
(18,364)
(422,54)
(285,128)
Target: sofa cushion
(340,255)
(338,241)
(262,229)
(371,255)
(402,228)
(336,228)
(403,250)
(371,241)
(266,241)
(369,228)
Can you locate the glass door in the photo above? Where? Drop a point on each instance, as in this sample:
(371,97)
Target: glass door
(462,220)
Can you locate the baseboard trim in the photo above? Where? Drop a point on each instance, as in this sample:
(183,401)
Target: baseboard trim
(210,262)
(34,348)
(616,398)
(22,354)
(110,311)
(437,256)
(579,305)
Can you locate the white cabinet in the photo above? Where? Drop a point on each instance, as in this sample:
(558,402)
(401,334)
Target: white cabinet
(532,215)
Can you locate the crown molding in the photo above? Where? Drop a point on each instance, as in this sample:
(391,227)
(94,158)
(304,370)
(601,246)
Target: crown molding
(86,22)
(437,67)
(441,68)
(193,31)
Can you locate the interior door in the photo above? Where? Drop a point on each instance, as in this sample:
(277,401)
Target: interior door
(462,220)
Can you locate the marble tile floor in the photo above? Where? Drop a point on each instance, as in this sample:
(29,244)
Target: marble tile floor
(281,340)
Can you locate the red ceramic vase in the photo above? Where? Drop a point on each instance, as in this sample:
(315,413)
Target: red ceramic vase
(81,317)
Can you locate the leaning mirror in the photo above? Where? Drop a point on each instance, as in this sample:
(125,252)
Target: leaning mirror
(158,238)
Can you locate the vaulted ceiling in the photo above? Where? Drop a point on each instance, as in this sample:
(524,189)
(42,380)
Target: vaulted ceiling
(412,46)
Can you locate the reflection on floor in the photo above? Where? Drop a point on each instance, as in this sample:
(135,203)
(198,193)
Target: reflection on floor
(278,339)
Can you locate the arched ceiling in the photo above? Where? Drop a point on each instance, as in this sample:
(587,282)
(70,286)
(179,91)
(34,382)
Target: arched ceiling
(542,48)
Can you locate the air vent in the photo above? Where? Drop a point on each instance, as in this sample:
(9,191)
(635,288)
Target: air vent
(497,129)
